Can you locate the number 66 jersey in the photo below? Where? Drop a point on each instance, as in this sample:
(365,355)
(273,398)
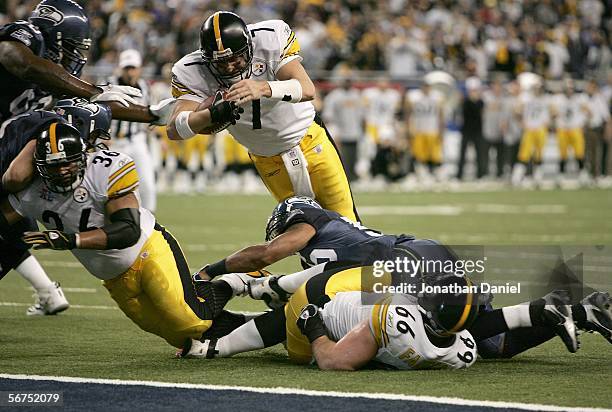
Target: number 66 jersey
(397,326)
(108,175)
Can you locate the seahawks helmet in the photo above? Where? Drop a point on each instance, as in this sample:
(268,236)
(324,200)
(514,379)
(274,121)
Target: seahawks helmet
(65,28)
(451,306)
(60,157)
(93,120)
(224,38)
(284,211)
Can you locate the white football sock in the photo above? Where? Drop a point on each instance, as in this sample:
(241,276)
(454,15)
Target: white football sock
(31,270)
(517,316)
(243,339)
(291,283)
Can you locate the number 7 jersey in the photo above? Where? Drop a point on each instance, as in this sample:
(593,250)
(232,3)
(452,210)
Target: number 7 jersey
(267,127)
(108,175)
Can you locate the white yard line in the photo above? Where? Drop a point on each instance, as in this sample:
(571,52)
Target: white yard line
(96,307)
(305,392)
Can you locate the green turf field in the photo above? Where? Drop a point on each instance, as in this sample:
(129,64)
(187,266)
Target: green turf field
(94,339)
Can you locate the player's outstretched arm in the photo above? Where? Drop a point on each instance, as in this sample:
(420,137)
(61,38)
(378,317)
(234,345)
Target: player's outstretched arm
(21,62)
(21,170)
(123,230)
(256,257)
(350,353)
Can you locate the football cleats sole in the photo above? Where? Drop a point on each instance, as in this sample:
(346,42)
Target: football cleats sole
(598,314)
(558,315)
(268,290)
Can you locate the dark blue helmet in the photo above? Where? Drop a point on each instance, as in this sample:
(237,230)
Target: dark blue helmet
(93,120)
(65,28)
(284,211)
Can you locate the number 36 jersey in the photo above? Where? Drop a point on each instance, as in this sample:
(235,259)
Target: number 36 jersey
(108,175)
(267,127)
(397,326)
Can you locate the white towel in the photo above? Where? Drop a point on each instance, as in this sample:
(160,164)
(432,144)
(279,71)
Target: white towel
(297,168)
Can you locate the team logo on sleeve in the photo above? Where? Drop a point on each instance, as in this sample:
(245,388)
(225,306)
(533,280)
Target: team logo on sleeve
(23,36)
(259,68)
(80,194)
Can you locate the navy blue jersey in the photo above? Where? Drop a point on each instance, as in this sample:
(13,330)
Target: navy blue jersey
(338,239)
(16,95)
(16,132)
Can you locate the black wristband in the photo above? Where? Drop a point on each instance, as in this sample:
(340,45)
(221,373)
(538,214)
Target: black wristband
(315,328)
(216,269)
(72,243)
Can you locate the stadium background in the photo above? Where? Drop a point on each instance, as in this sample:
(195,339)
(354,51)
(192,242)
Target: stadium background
(360,40)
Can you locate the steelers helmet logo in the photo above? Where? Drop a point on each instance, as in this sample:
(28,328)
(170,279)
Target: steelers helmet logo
(259,68)
(80,194)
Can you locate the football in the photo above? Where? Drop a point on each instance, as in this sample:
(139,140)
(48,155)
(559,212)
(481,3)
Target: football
(215,127)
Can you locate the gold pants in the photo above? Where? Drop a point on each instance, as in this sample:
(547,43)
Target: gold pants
(532,145)
(157,294)
(323,286)
(573,138)
(327,176)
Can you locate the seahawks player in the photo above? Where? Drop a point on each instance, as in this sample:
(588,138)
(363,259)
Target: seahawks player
(257,69)
(17,142)
(300,225)
(90,205)
(45,56)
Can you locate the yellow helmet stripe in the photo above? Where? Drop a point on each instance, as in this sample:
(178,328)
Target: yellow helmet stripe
(53,138)
(466,309)
(218,32)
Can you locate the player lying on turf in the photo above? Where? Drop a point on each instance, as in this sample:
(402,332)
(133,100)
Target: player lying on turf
(335,318)
(90,205)
(299,225)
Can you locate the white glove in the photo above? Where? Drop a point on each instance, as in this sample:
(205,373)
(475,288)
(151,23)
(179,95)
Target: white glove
(123,95)
(162,109)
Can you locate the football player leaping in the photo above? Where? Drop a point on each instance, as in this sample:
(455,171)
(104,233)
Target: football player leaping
(301,226)
(258,68)
(90,205)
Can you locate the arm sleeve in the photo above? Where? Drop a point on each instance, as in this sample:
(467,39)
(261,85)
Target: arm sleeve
(25,34)
(289,46)
(316,218)
(122,177)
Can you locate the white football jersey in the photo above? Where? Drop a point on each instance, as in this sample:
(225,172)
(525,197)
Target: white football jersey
(425,111)
(108,175)
(267,127)
(570,111)
(381,105)
(398,328)
(536,112)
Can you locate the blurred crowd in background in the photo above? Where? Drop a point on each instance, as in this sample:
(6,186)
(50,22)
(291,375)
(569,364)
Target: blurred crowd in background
(369,54)
(404,38)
